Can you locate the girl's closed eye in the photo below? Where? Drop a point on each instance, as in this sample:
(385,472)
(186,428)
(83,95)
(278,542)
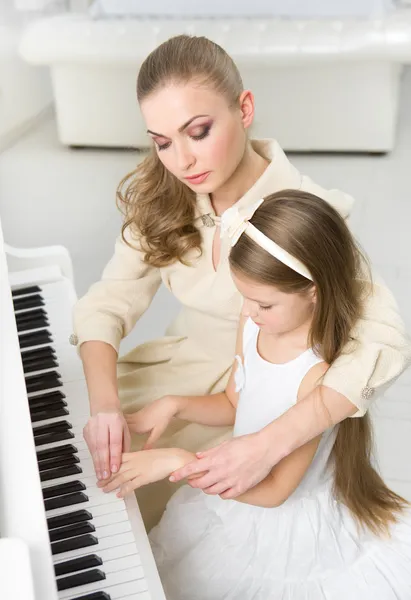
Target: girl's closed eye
(265,307)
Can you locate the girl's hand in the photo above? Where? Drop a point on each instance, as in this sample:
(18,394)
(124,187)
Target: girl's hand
(153,419)
(144,467)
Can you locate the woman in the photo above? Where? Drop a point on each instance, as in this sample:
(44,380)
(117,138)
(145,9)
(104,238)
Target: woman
(198,114)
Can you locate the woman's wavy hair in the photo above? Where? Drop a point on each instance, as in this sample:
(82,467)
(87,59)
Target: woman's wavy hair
(314,232)
(157,207)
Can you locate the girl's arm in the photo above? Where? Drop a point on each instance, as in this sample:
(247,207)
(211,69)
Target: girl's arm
(215,409)
(144,467)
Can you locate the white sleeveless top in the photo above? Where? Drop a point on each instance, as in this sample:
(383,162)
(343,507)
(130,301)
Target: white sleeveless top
(268,390)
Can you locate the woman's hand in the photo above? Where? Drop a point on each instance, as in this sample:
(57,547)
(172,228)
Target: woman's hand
(153,419)
(107,437)
(144,467)
(231,468)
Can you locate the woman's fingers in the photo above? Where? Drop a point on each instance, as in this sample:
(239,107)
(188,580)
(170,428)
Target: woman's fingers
(193,468)
(210,451)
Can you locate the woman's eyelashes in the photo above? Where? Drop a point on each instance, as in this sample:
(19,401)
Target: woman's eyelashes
(163,146)
(203,133)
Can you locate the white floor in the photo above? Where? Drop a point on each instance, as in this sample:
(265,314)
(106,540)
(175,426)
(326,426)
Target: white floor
(50,194)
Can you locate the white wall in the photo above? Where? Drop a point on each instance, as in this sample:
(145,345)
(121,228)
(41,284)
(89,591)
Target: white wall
(287,8)
(25,91)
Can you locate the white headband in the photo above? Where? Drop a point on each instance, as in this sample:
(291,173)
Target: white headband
(235,224)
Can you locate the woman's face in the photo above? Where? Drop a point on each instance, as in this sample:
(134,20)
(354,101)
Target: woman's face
(199,138)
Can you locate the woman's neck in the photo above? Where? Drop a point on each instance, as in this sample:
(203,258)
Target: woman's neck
(250,169)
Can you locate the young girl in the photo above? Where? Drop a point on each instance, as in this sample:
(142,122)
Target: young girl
(316,527)
(198,114)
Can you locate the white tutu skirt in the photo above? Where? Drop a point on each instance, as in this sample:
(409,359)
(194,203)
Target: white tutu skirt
(309,548)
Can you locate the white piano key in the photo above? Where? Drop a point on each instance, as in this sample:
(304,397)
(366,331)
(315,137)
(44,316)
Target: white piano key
(108,542)
(108,554)
(110,519)
(110,530)
(111,516)
(78,442)
(97,510)
(88,481)
(125,562)
(115,584)
(139,596)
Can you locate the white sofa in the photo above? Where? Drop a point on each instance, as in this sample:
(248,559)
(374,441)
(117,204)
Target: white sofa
(25,90)
(320,84)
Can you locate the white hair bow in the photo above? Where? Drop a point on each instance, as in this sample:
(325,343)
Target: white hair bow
(233,223)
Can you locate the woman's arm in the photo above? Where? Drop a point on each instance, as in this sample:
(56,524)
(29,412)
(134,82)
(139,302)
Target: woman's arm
(102,318)
(113,305)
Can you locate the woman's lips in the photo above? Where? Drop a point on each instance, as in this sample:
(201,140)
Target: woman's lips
(198,178)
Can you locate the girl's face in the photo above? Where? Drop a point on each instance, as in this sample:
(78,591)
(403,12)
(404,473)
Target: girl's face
(274,311)
(199,138)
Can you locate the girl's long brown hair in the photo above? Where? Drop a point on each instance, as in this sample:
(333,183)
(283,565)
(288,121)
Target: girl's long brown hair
(156,205)
(313,232)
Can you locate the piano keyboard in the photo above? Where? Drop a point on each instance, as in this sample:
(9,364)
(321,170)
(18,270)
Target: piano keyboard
(98,543)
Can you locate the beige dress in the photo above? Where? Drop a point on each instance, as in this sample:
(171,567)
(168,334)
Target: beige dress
(196,354)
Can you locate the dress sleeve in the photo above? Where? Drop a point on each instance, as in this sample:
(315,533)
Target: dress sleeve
(112,306)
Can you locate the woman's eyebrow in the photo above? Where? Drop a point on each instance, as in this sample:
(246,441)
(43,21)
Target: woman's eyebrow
(180,129)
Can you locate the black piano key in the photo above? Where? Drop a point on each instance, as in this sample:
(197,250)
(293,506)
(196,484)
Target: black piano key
(34,353)
(52,427)
(67,500)
(63,488)
(94,596)
(37,338)
(60,472)
(82,541)
(71,531)
(45,381)
(39,323)
(66,449)
(32,289)
(65,583)
(41,408)
(43,415)
(46,399)
(40,365)
(76,516)
(30,315)
(69,459)
(52,438)
(25,302)
(77,564)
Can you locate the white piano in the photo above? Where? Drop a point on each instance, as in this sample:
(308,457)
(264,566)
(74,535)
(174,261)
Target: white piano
(60,536)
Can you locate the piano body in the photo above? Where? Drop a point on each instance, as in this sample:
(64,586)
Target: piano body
(63,536)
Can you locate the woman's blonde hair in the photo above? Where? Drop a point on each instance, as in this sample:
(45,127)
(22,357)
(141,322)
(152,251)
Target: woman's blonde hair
(313,232)
(157,206)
